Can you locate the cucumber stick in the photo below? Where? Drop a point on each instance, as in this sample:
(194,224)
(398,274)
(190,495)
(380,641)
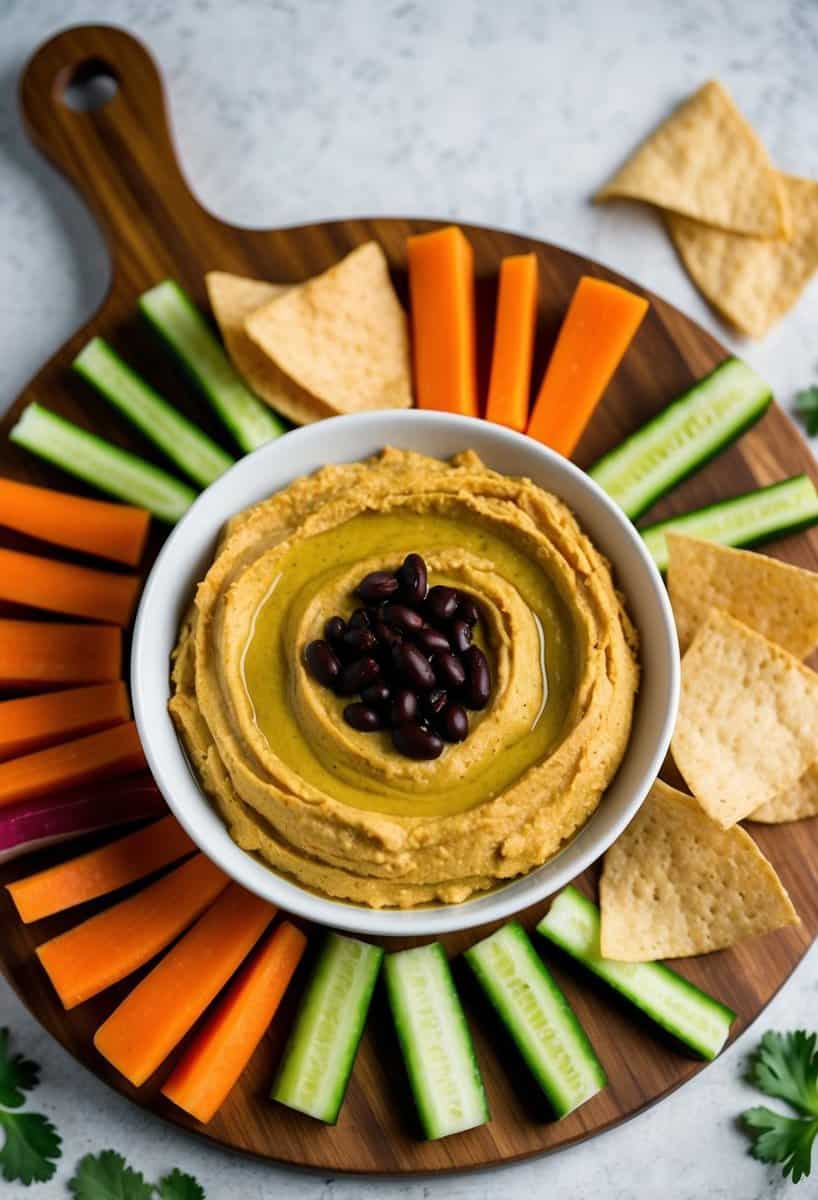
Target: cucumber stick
(756,516)
(693,429)
(185,444)
(321,1049)
(702,1023)
(102,464)
(174,316)
(435,1041)
(538,1017)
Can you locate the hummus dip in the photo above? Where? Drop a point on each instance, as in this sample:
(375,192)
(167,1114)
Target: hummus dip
(339,810)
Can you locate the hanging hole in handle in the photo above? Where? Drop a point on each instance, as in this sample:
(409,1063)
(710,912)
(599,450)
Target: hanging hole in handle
(89,86)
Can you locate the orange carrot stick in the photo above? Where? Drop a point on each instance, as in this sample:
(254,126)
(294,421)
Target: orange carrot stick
(222,1048)
(441,284)
(65,588)
(34,722)
(598,328)
(510,381)
(100,871)
(115,531)
(102,755)
(37,654)
(157,1014)
(104,949)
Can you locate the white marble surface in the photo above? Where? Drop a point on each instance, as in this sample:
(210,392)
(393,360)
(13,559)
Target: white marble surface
(506,114)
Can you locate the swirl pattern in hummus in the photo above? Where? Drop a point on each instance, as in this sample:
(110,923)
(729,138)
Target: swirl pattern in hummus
(339,810)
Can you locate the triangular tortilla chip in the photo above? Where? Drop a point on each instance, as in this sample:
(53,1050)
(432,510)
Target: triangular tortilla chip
(342,335)
(705,161)
(747,727)
(774,598)
(676,884)
(233,298)
(794,804)
(753,282)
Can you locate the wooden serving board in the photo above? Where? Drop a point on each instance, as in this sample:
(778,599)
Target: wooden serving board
(122,160)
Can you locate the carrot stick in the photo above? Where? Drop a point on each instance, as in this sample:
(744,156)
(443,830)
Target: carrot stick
(115,531)
(38,721)
(65,588)
(510,380)
(100,871)
(104,949)
(222,1048)
(37,654)
(598,328)
(441,285)
(157,1014)
(99,756)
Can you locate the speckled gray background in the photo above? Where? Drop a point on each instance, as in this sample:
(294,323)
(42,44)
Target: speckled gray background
(508,114)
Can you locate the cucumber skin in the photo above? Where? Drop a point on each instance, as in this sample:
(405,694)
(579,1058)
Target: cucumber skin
(635,512)
(329,1116)
(679,981)
(483,975)
(393,989)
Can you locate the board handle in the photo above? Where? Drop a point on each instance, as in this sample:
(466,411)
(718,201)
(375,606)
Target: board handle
(92,100)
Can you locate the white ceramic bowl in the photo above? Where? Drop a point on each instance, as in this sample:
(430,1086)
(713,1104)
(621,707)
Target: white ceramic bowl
(184,560)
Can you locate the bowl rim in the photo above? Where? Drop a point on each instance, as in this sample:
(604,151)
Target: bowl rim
(243,867)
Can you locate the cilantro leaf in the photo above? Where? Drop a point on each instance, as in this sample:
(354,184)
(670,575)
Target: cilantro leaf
(780,1139)
(786,1065)
(17,1074)
(30,1146)
(178,1186)
(806,405)
(106,1176)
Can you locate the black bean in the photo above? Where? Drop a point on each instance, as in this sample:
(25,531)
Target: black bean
(377,586)
(335,629)
(432,641)
(413,579)
(402,617)
(453,723)
(441,603)
(360,619)
(377,693)
(468,611)
(449,670)
(435,701)
(461,635)
(322,664)
(404,707)
(413,741)
(359,641)
(358,675)
(478,678)
(386,635)
(413,667)
(363,718)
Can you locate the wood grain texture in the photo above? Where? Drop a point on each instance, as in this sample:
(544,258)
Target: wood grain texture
(122,160)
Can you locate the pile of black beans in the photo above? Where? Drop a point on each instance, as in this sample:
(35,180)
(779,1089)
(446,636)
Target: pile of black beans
(408,655)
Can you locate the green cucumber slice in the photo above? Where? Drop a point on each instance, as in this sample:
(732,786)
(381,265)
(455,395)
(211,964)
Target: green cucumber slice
(678,441)
(538,1017)
(746,520)
(702,1023)
(321,1049)
(177,320)
(435,1041)
(193,451)
(102,464)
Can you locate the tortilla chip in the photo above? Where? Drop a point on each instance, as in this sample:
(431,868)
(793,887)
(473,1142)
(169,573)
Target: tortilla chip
(748,719)
(705,161)
(753,282)
(233,298)
(774,598)
(342,335)
(676,884)
(795,804)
